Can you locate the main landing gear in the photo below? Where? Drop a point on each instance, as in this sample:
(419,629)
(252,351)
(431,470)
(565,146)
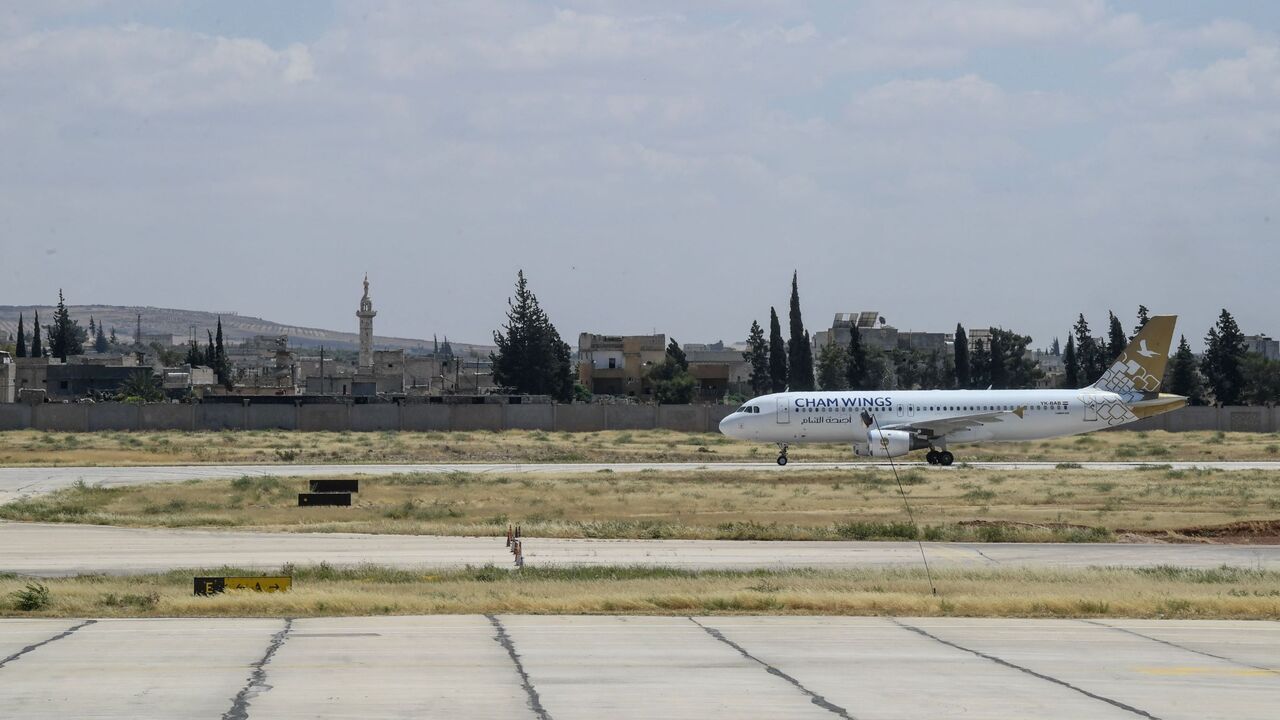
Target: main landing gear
(939,457)
(782,454)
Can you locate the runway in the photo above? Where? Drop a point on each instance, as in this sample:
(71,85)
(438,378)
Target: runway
(16,482)
(58,550)
(564,668)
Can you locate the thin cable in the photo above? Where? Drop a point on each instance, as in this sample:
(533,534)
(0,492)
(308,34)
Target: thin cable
(919,543)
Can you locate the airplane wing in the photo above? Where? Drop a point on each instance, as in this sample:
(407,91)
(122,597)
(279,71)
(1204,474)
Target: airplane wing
(944,426)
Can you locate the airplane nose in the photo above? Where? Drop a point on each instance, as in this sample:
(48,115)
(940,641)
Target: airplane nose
(724,426)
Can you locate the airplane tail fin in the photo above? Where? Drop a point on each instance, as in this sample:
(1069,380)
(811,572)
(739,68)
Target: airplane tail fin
(1137,373)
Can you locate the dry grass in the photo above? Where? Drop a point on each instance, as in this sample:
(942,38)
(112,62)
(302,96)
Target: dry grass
(319,591)
(958,503)
(30,447)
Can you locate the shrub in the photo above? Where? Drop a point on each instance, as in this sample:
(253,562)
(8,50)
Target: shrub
(34,596)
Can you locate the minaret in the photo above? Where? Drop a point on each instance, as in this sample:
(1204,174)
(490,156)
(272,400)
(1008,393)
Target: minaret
(366,328)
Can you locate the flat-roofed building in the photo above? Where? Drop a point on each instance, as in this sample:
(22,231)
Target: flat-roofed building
(618,364)
(1263,345)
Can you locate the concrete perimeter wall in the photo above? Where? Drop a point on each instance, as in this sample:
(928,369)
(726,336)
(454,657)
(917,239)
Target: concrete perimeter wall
(427,417)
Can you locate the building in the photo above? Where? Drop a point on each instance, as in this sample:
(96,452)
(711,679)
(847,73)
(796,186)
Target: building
(619,364)
(719,369)
(75,380)
(8,375)
(875,332)
(1263,345)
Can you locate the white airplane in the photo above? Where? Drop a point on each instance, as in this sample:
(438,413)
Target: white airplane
(891,423)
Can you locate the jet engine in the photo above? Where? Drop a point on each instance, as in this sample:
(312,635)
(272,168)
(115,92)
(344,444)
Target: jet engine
(889,443)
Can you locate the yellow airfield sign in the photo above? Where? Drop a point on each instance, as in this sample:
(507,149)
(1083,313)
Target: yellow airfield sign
(257,583)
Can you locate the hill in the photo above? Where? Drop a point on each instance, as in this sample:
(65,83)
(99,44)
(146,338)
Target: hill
(236,328)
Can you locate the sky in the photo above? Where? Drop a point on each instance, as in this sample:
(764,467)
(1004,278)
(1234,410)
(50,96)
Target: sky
(658,166)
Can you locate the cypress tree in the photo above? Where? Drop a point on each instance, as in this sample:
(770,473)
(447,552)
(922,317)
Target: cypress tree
(210,361)
(1056,348)
(22,338)
(64,338)
(963,371)
(114,340)
(1143,317)
(93,329)
(100,342)
(1224,360)
(856,369)
(799,352)
(1116,340)
(221,367)
(37,350)
(1184,379)
(757,356)
(1092,364)
(1071,363)
(777,353)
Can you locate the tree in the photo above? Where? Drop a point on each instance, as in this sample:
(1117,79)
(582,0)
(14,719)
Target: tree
(37,350)
(880,371)
(221,365)
(210,358)
(1017,370)
(998,374)
(1116,339)
(677,355)
(855,373)
(93,329)
(671,381)
(1071,364)
(113,336)
(1143,317)
(100,341)
(194,355)
(1088,353)
(21,350)
(777,353)
(140,386)
(799,352)
(757,356)
(1056,348)
(1261,380)
(66,337)
(1223,362)
(833,363)
(1182,376)
(979,366)
(531,358)
(963,371)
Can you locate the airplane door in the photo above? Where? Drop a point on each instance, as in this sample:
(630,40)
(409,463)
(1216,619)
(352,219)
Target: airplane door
(1090,408)
(784,412)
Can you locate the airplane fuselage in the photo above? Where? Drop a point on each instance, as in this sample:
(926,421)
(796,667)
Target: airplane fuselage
(837,417)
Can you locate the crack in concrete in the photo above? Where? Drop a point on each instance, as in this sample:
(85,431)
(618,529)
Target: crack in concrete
(257,683)
(503,639)
(1135,633)
(59,636)
(815,698)
(1029,671)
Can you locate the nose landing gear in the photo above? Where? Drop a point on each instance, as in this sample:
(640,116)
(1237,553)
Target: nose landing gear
(782,454)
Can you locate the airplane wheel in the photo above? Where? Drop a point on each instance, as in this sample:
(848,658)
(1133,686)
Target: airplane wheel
(782,459)
(946,458)
(932,457)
